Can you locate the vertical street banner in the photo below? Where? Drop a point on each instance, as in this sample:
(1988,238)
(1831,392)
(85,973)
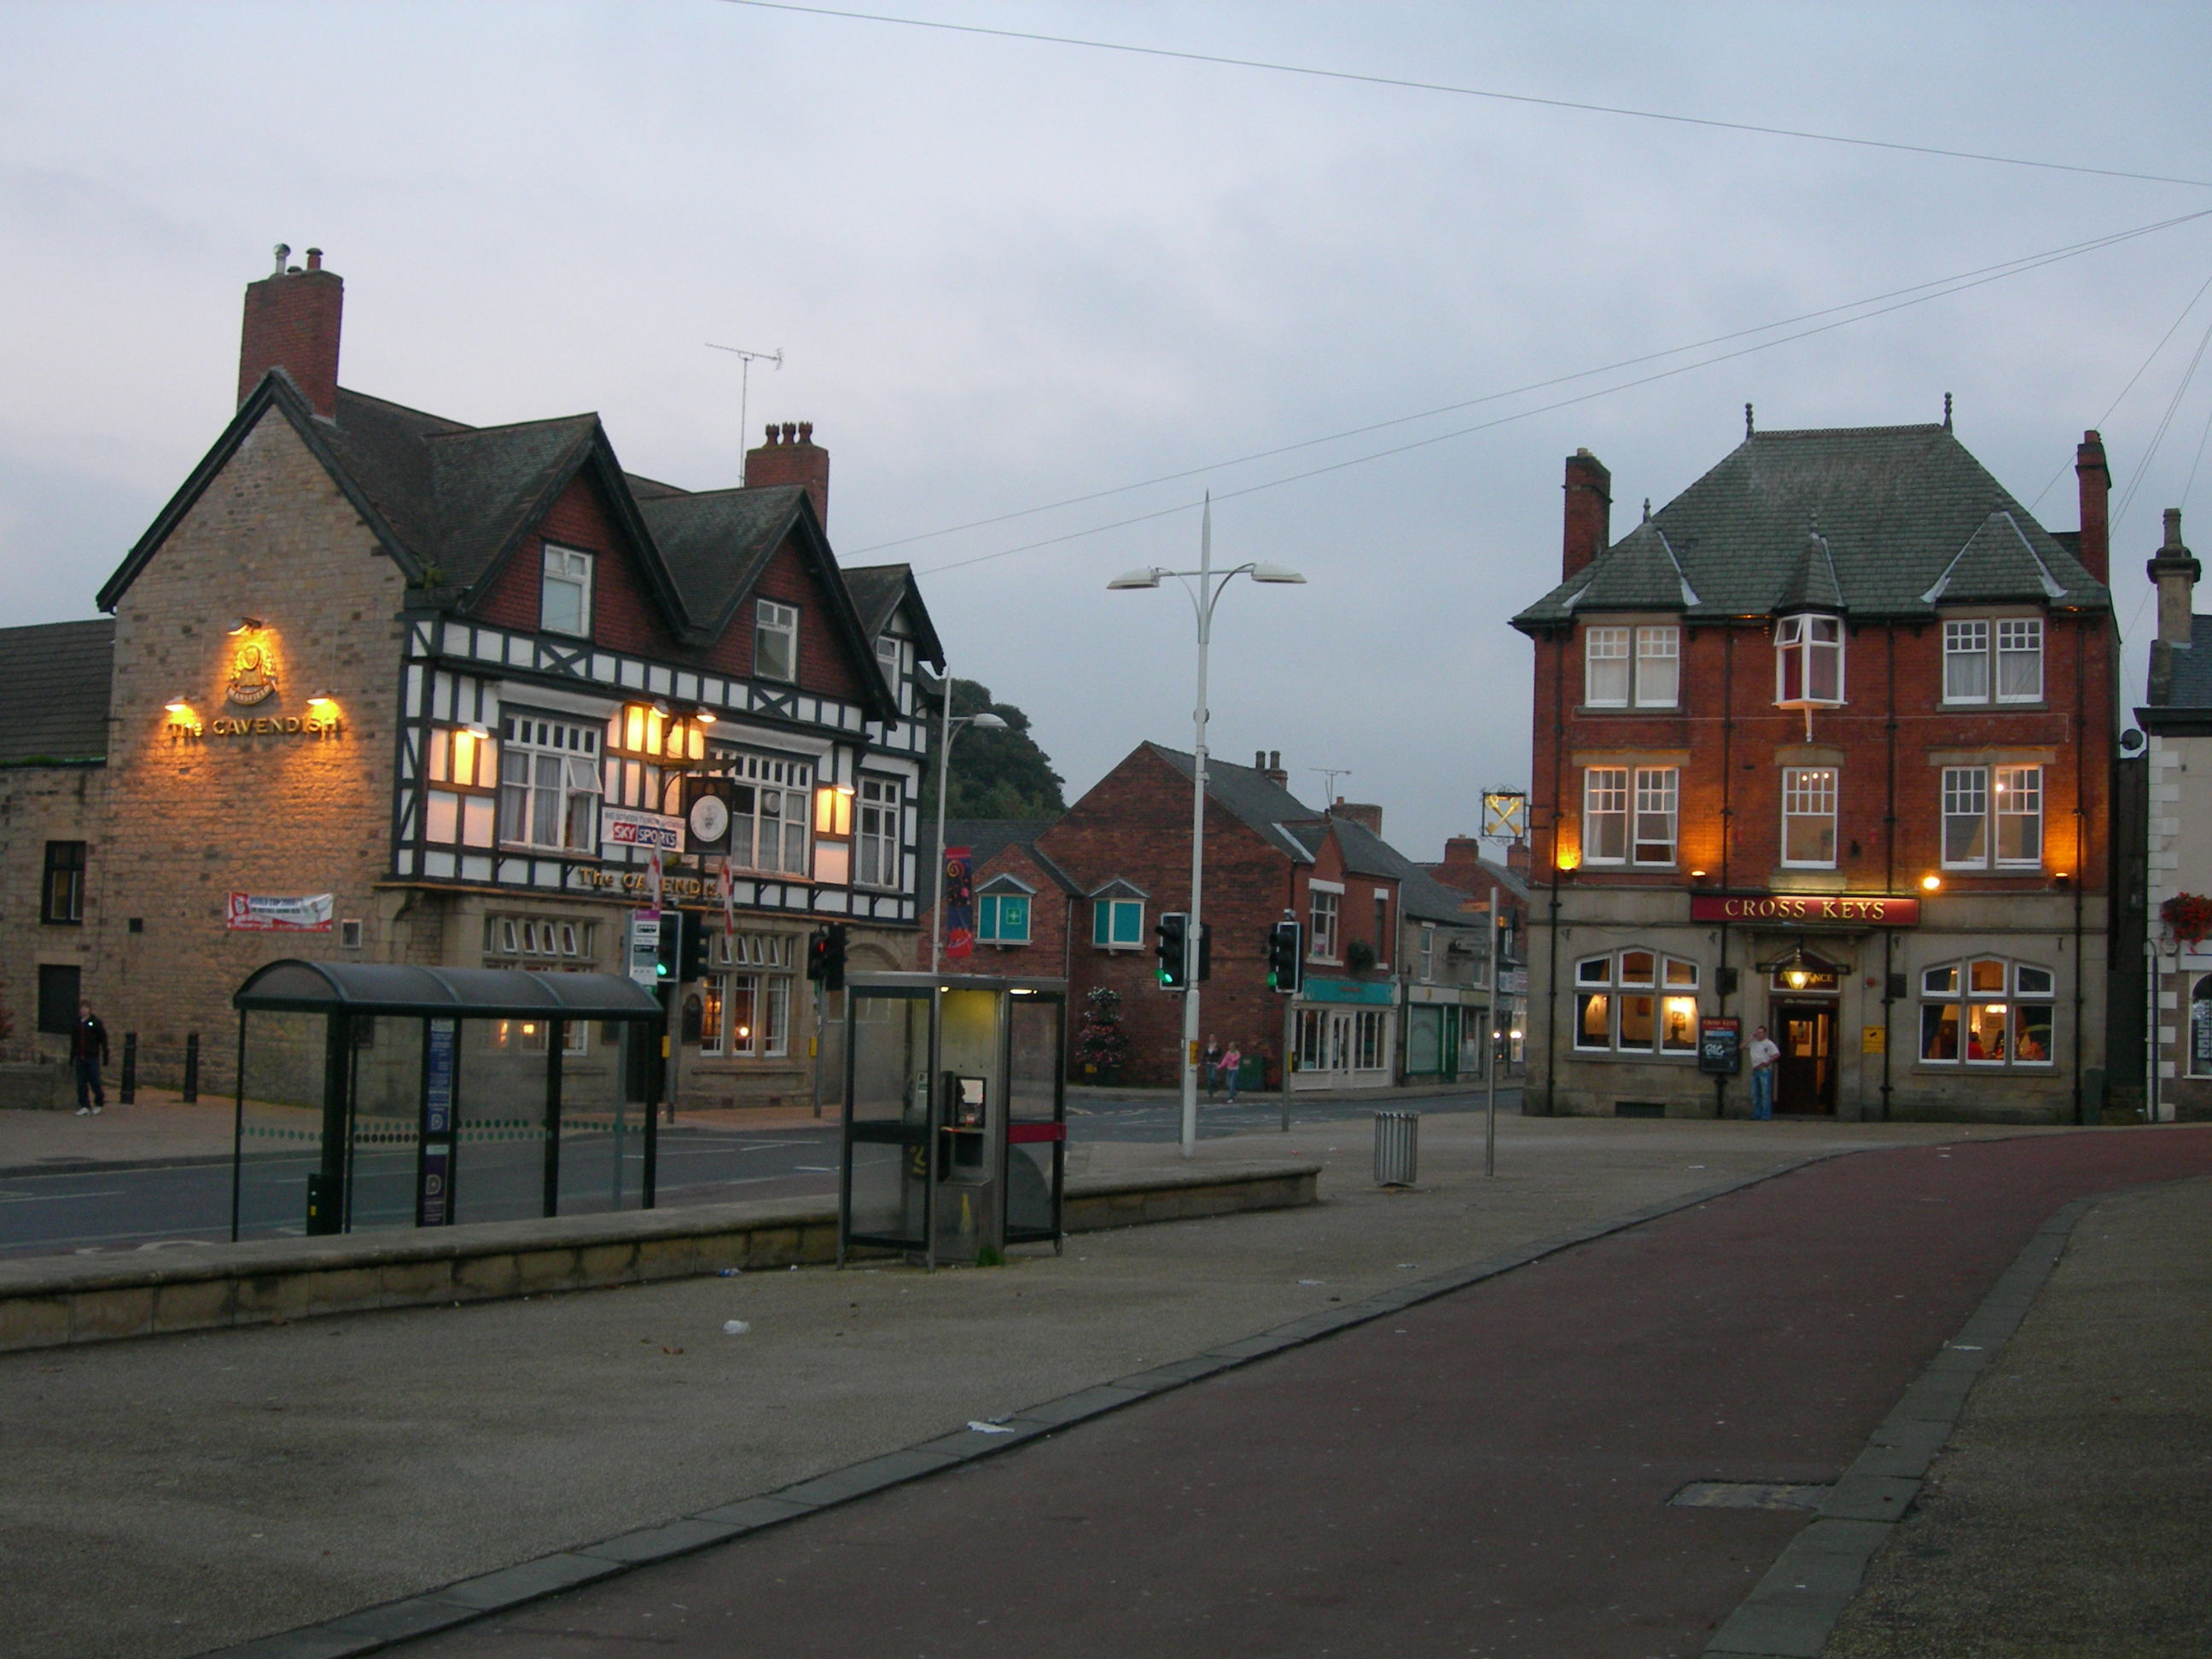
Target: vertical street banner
(958,898)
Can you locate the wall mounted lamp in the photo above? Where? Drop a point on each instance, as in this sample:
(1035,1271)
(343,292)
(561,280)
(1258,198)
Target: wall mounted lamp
(1931,884)
(247,625)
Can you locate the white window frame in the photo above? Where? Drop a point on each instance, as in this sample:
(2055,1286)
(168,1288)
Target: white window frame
(1808,796)
(1968,670)
(1607,643)
(1949,987)
(1656,832)
(1428,952)
(1655,645)
(550,766)
(1106,915)
(1324,910)
(2018,640)
(566,570)
(1606,796)
(990,915)
(772,799)
(877,833)
(774,620)
(1990,798)
(1809,637)
(1982,654)
(1669,984)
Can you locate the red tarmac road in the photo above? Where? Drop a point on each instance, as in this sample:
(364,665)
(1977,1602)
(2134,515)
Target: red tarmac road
(1486,1474)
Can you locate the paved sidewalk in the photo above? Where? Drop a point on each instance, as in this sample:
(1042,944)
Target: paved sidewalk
(1488,1472)
(2071,1516)
(164,1496)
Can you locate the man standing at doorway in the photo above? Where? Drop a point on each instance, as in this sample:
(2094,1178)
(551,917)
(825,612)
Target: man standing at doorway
(88,1052)
(1765,1053)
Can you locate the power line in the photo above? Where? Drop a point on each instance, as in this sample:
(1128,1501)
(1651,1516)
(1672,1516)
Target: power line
(1997,274)
(2003,267)
(1403,84)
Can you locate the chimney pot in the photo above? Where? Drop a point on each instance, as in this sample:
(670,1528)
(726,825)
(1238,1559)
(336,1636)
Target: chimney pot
(292,322)
(314,258)
(791,457)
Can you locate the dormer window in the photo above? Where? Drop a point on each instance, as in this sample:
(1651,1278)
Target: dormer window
(775,641)
(564,597)
(1809,661)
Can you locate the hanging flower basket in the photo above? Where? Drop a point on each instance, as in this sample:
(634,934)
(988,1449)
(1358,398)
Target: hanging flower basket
(2188,917)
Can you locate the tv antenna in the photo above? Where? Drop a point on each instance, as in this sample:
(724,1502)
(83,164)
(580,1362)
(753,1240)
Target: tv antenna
(744,377)
(1330,775)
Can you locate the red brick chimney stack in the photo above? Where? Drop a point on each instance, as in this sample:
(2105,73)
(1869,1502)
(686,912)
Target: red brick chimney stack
(2096,544)
(292,319)
(791,457)
(1272,769)
(1589,512)
(1366,814)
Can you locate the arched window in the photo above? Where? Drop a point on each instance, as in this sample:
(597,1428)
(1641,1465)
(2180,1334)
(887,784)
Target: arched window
(1636,1001)
(1987,1013)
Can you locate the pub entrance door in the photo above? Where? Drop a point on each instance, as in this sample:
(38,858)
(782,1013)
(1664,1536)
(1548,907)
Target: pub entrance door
(1805,1079)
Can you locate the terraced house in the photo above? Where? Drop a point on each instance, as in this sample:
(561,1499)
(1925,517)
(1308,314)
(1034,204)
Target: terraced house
(384,686)
(1825,745)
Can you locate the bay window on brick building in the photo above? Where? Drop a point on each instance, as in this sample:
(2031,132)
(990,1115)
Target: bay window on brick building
(467,696)
(1825,745)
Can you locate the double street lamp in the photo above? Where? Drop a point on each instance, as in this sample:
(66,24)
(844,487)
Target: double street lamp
(1205,586)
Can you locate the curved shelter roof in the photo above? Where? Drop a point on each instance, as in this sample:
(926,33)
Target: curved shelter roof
(376,987)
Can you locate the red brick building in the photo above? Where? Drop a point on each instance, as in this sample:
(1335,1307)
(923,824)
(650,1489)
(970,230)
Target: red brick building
(1825,745)
(430,693)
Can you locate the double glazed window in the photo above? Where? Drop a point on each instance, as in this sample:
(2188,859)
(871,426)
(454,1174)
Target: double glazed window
(1630,814)
(2003,657)
(61,894)
(1002,917)
(1992,817)
(1636,1002)
(878,836)
(775,641)
(1808,817)
(1627,667)
(1808,660)
(1117,924)
(1320,924)
(548,793)
(564,599)
(1988,1011)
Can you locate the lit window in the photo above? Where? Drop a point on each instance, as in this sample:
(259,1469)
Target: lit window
(549,792)
(61,895)
(775,641)
(564,601)
(1808,817)
(769,811)
(1117,924)
(1992,817)
(1637,1002)
(1320,929)
(879,840)
(2005,1019)
(1808,660)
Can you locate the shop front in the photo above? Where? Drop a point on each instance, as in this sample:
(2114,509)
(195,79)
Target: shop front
(1343,1033)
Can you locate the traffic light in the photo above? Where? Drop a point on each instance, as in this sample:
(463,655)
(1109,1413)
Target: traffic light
(1171,937)
(691,957)
(825,956)
(668,955)
(1286,958)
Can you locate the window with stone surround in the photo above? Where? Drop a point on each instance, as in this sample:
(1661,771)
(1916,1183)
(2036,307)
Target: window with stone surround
(1992,817)
(1636,1001)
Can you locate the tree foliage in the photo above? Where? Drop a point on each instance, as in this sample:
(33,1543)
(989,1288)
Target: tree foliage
(994,774)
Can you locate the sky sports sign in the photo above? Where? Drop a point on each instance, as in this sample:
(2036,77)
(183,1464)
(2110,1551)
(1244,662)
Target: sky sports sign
(619,826)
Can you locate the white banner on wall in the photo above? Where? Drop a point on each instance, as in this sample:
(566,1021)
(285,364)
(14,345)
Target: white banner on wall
(621,826)
(261,913)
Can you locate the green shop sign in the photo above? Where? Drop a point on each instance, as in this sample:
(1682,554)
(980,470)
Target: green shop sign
(1378,992)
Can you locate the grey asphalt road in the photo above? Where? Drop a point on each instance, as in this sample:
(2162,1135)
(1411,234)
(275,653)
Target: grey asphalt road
(121,1210)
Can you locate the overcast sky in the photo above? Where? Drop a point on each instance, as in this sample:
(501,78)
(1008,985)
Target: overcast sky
(1005,273)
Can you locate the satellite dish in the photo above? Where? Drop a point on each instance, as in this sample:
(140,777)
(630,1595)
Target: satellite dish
(2133,743)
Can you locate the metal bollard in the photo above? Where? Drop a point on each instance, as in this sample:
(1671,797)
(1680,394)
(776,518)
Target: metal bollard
(1397,1147)
(191,1067)
(126,1092)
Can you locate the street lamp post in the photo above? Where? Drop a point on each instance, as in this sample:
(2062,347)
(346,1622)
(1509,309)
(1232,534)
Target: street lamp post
(1205,586)
(985,722)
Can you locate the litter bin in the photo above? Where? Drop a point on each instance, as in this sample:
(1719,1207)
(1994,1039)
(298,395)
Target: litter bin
(1397,1147)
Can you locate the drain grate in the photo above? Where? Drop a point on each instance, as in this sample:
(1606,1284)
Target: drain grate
(1749,1495)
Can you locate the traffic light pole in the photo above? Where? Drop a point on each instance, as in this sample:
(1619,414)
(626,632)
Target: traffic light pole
(1190,1039)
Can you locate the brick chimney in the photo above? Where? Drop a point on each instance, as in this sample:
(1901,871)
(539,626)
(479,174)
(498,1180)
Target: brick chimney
(1366,814)
(791,457)
(292,320)
(2176,573)
(2096,478)
(1588,514)
(1462,854)
(1268,764)
(1516,857)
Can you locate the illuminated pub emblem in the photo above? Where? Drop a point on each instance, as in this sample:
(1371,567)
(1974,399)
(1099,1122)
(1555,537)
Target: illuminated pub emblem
(253,673)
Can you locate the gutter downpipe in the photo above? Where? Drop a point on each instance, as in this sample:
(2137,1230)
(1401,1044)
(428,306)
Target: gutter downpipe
(1552,964)
(1728,823)
(1889,866)
(2081,837)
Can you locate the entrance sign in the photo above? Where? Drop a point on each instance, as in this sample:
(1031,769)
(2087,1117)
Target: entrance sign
(1720,1045)
(1813,910)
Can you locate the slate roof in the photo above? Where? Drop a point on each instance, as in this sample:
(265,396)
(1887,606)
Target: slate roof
(54,698)
(878,590)
(452,502)
(1908,519)
(2181,679)
(985,839)
(1262,805)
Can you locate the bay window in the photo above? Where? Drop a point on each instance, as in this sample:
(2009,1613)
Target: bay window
(1808,660)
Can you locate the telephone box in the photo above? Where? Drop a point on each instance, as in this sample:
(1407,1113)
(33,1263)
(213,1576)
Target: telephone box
(956,1114)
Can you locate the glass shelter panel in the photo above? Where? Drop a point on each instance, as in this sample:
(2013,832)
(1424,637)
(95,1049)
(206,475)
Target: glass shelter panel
(887,1118)
(280,1122)
(601,1152)
(971,1131)
(1037,1115)
(386,1122)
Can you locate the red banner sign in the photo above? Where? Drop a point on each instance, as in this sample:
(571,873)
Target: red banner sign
(1807,909)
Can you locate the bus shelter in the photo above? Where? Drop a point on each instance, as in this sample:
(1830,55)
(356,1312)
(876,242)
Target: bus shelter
(376,1095)
(956,1114)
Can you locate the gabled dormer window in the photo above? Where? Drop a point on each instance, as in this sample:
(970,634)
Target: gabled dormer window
(564,597)
(775,641)
(1809,661)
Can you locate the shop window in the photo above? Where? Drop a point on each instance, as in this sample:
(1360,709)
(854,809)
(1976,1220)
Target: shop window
(1992,817)
(2003,657)
(877,844)
(1636,1001)
(1117,924)
(1321,924)
(1369,1051)
(564,603)
(549,792)
(775,641)
(61,894)
(1809,817)
(1002,917)
(1987,1013)
(2200,1029)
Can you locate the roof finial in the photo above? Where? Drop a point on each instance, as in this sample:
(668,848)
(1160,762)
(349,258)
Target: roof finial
(1746,420)
(1647,509)
(1947,411)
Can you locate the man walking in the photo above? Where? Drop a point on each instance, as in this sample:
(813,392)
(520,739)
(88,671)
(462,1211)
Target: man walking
(1765,1053)
(89,1051)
